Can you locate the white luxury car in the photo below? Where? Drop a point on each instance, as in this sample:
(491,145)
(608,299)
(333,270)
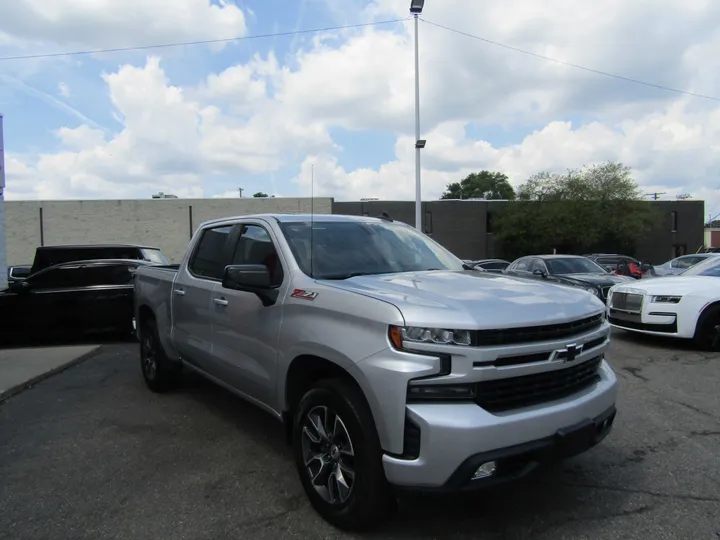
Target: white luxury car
(684,306)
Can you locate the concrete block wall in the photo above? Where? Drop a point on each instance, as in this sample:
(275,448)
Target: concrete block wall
(164,223)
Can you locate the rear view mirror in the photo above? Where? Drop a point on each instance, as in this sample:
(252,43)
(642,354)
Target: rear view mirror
(253,278)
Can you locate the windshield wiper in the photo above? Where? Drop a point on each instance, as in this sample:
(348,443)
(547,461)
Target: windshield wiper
(349,275)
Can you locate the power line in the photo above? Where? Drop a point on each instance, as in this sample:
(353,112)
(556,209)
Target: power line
(576,66)
(202,42)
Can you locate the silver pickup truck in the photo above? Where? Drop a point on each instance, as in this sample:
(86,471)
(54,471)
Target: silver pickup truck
(392,365)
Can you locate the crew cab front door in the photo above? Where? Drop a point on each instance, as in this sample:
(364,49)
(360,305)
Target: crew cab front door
(245,333)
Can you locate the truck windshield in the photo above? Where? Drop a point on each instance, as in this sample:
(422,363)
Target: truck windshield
(573,265)
(709,267)
(343,249)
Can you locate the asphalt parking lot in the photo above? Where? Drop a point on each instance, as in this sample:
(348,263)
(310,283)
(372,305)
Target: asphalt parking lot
(90,453)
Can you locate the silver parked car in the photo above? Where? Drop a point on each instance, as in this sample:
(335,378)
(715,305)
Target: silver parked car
(389,363)
(680,264)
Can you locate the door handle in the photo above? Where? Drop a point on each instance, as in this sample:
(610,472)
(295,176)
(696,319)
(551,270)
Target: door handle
(180,292)
(220,301)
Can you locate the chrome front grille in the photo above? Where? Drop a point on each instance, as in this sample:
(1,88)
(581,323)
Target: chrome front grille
(627,301)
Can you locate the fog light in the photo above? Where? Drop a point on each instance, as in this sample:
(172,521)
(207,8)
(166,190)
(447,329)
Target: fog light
(484,470)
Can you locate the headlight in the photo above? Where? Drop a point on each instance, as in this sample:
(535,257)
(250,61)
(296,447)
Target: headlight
(665,299)
(419,334)
(592,290)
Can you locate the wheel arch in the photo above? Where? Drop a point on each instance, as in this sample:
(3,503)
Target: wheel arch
(302,373)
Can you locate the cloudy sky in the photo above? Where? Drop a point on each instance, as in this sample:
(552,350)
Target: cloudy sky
(205,119)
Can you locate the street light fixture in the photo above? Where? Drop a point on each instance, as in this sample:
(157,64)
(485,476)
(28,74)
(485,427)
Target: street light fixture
(416,7)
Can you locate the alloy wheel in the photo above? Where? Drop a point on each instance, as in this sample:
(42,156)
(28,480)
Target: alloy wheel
(328,455)
(149,356)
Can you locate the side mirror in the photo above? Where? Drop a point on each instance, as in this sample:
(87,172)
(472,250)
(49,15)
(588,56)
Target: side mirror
(538,272)
(607,268)
(252,278)
(644,267)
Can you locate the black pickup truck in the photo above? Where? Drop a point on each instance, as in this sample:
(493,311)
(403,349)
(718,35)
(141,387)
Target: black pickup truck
(74,302)
(47,256)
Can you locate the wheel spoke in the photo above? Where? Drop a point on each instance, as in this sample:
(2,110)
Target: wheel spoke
(342,437)
(314,437)
(341,487)
(318,424)
(321,477)
(347,471)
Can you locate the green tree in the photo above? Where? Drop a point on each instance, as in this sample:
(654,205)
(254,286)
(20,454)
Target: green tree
(485,184)
(595,208)
(260,194)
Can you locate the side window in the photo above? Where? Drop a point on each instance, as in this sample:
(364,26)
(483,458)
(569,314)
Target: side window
(537,264)
(522,265)
(56,278)
(256,247)
(684,262)
(106,275)
(208,261)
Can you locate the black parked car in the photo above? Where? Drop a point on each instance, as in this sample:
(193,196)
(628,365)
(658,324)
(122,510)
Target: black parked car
(491,265)
(567,270)
(77,302)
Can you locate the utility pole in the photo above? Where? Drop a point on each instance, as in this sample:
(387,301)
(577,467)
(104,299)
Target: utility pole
(654,196)
(416,7)
(240,190)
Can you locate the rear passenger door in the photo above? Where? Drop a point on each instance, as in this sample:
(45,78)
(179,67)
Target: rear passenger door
(192,298)
(245,333)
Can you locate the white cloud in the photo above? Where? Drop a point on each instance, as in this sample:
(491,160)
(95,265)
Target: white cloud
(170,142)
(63,89)
(108,23)
(261,115)
(674,150)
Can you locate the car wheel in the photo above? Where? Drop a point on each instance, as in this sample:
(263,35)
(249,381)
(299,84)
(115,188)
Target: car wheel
(707,332)
(338,456)
(160,373)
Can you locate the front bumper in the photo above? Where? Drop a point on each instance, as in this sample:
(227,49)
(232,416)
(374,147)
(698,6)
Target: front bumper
(456,438)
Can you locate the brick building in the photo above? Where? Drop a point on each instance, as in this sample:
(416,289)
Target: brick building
(464,227)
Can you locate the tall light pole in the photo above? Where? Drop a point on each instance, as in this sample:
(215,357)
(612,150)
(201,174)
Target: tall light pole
(416,7)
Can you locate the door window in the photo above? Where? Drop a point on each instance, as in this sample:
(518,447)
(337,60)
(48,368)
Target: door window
(56,278)
(256,247)
(537,264)
(522,265)
(209,259)
(683,262)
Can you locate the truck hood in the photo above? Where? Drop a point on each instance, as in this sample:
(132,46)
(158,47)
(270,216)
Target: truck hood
(474,300)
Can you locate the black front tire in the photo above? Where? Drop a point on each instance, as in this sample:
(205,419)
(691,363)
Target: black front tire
(371,499)
(707,332)
(160,373)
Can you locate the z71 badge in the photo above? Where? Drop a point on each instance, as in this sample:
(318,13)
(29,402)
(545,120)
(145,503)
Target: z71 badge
(305,295)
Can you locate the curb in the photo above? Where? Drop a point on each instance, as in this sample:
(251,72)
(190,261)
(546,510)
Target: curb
(14,390)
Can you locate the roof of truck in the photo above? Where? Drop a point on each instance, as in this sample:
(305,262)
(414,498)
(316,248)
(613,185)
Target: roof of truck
(292,218)
(95,246)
